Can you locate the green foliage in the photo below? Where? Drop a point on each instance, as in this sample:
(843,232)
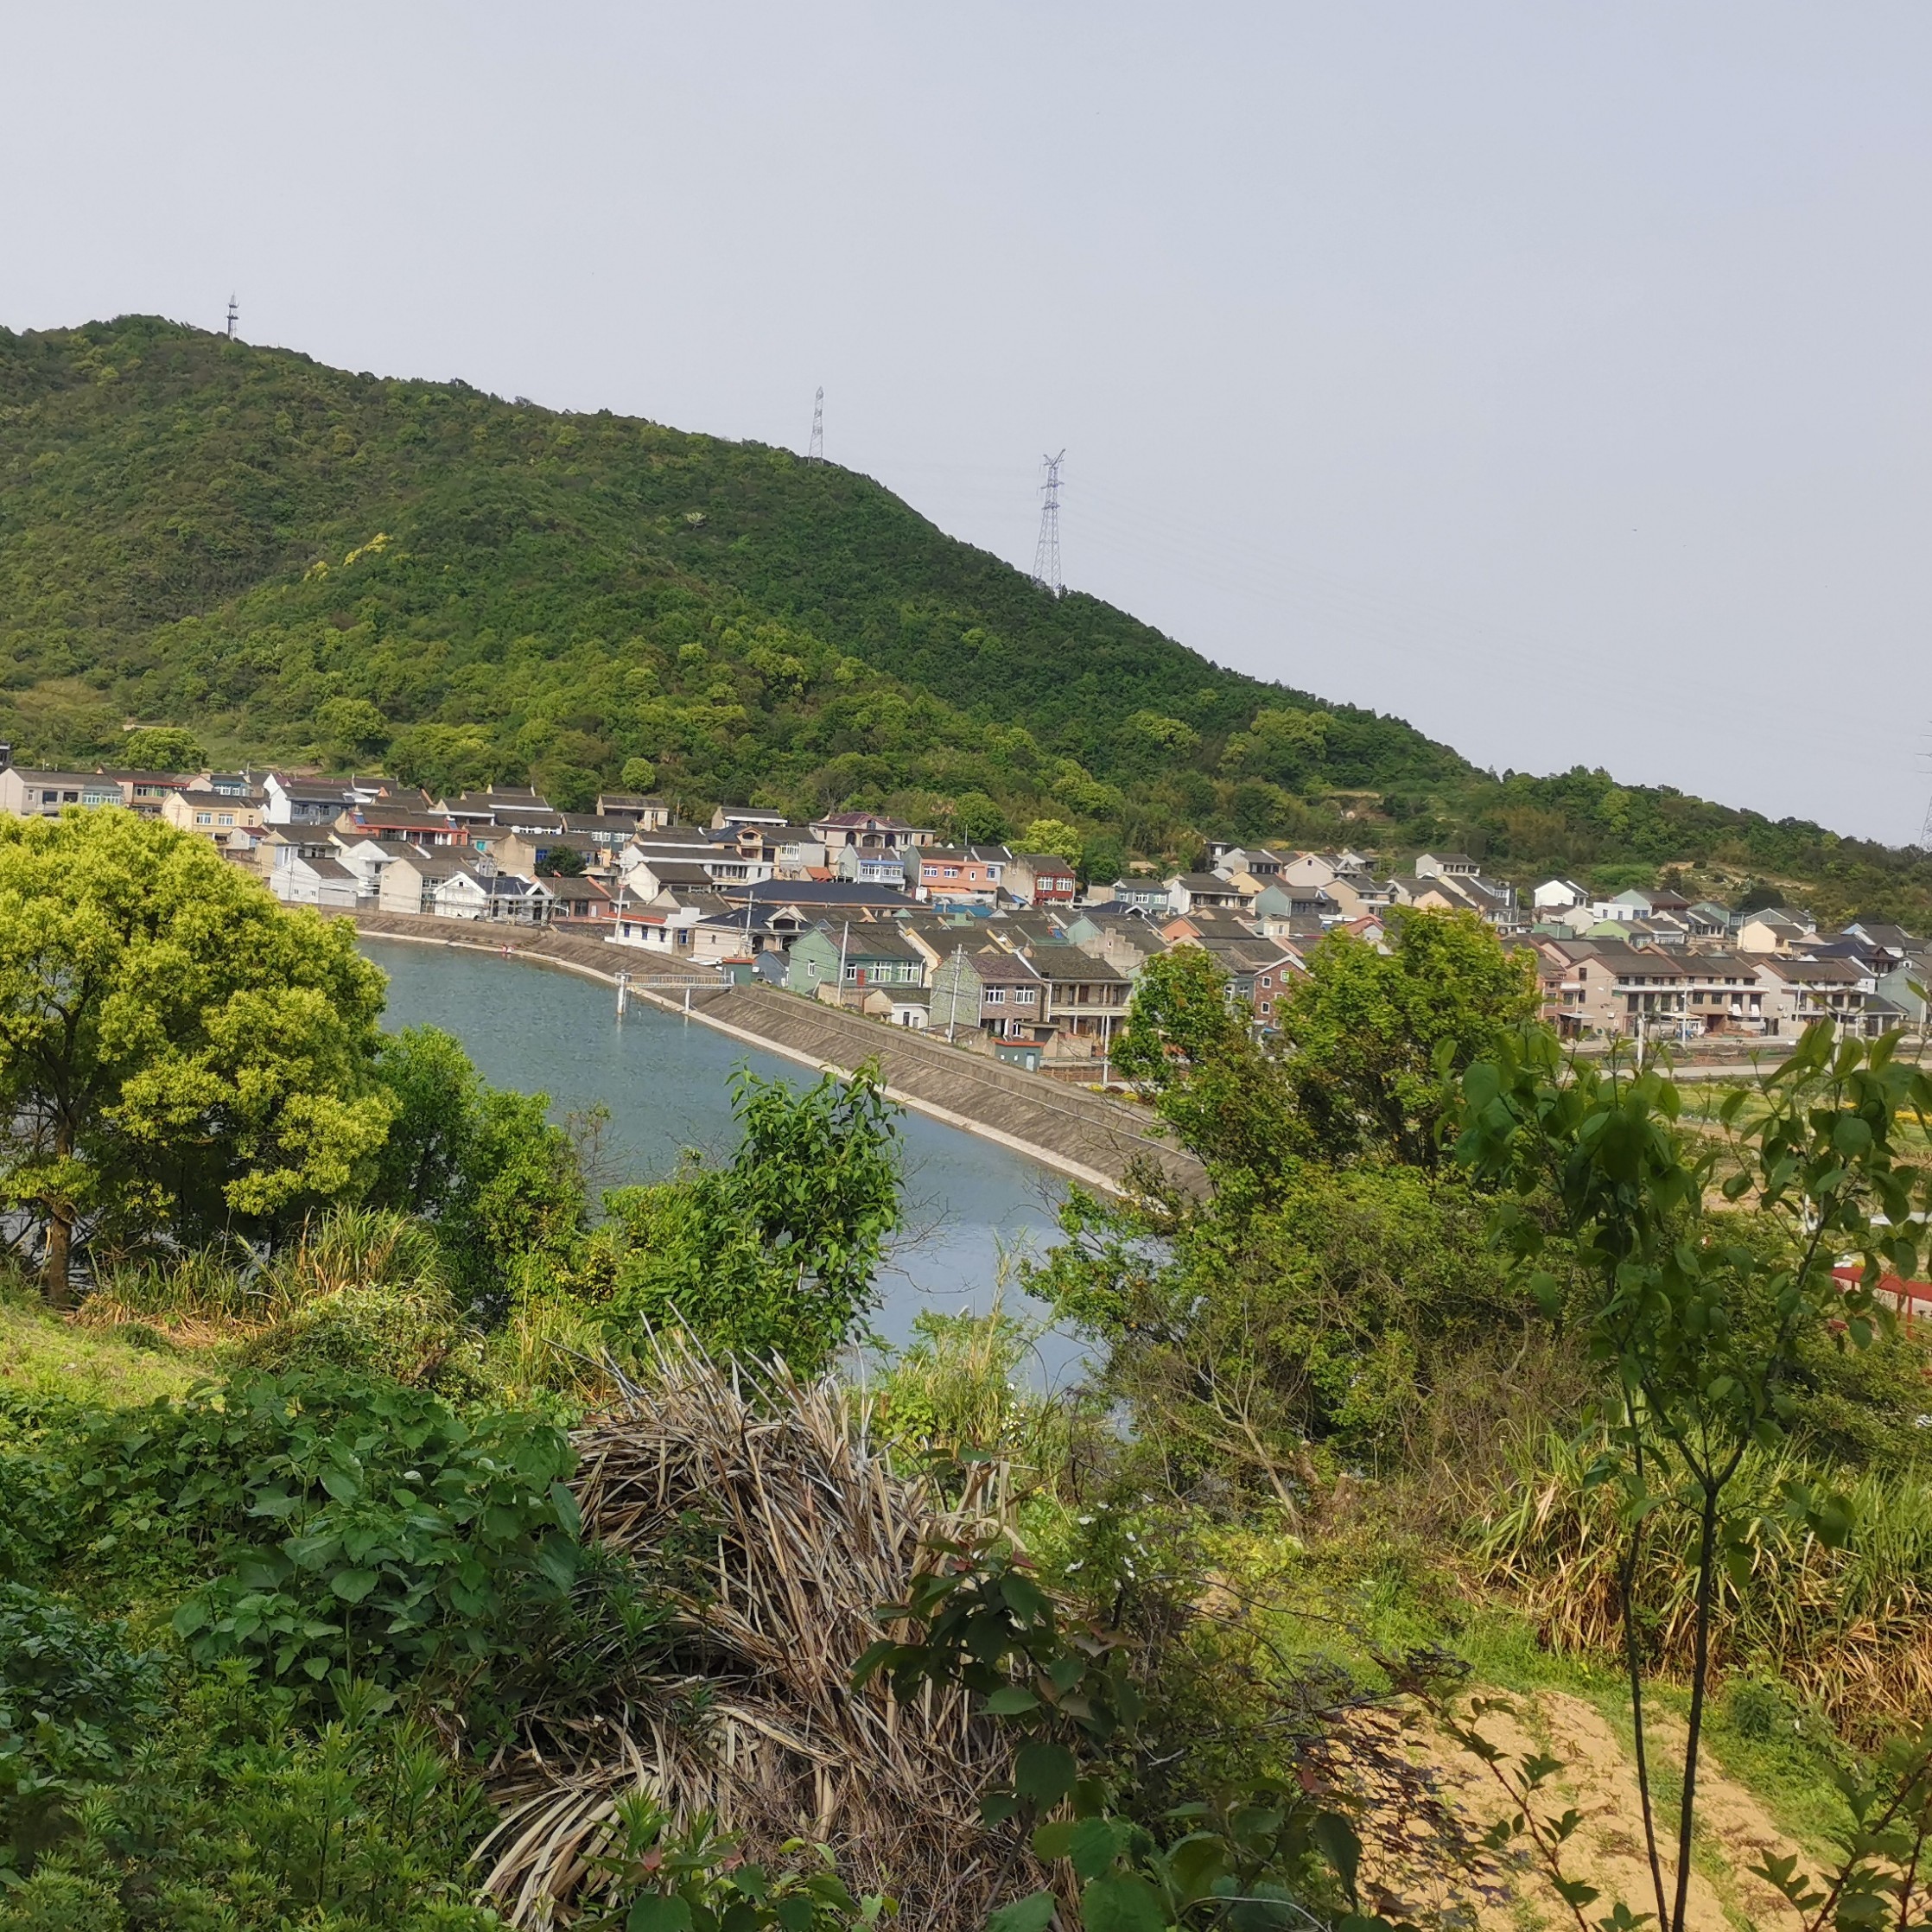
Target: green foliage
(1055,836)
(977,1618)
(177,1051)
(1700,1335)
(1265,1350)
(222,1816)
(409,1536)
(1191,1049)
(313,1522)
(655,1877)
(162,748)
(74,1701)
(1377,1037)
(485,1166)
(773,1255)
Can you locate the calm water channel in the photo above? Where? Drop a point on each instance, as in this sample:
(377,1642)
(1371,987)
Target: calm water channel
(664,1080)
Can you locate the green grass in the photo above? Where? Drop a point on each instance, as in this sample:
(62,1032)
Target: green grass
(42,1354)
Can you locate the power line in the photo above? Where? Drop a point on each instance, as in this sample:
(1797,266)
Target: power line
(815,451)
(1047,552)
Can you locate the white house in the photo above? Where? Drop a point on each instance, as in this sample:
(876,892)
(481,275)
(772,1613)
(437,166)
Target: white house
(1558,895)
(302,877)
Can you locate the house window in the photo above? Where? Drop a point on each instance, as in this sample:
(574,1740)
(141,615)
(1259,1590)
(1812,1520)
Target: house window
(205,818)
(995,996)
(227,818)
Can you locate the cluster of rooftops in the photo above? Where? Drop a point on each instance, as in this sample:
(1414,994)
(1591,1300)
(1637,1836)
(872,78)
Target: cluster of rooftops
(872,911)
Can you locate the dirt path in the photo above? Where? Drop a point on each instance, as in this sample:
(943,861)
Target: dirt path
(1508,1892)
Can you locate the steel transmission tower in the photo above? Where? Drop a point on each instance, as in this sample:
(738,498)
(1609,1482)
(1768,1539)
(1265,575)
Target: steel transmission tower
(234,316)
(1047,552)
(815,451)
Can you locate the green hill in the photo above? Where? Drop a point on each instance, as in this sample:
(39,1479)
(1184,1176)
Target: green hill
(300,563)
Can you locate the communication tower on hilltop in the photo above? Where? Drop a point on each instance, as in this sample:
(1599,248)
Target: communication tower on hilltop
(234,316)
(815,451)
(1047,552)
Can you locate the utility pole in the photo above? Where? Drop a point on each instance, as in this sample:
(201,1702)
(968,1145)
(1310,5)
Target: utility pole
(1047,552)
(234,316)
(815,450)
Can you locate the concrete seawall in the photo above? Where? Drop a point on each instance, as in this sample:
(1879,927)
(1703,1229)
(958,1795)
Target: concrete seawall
(1087,1136)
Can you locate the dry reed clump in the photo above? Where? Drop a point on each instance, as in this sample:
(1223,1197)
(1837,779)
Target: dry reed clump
(1849,1628)
(795,1530)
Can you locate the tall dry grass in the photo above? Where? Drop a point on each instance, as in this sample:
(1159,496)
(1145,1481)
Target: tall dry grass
(1849,1628)
(796,1528)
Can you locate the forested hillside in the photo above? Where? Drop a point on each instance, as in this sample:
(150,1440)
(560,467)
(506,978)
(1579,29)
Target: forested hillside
(302,564)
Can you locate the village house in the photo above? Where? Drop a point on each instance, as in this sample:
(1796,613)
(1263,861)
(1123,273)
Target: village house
(529,851)
(33,792)
(1086,998)
(827,898)
(956,875)
(1042,878)
(646,879)
(291,801)
(1272,985)
(1556,895)
(1136,894)
(145,793)
(215,816)
(1189,892)
(1800,991)
(1773,931)
(408,881)
(1284,901)
(310,875)
(990,991)
(366,859)
(867,832)
(829,961)
(503,805)
(758,818)
(646,814)
(1609,987)
(585,900)
(1125,942)
(1723,993)
(736,933)
(397,821)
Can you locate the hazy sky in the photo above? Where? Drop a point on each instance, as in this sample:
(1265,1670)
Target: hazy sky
(1554,375)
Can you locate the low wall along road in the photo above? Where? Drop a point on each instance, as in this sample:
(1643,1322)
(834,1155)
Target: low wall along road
(1087,1136)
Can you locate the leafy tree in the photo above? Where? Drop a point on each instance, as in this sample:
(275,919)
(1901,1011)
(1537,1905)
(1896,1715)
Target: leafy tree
(1055,836)
(1375,1035)
(497,1180)
(975,819)
(351,729)
(639,774)
(1190,1048)
(1103,860)
(1701,1337)
(162,748)
(775,1255)
(1279,745)
(177,1051)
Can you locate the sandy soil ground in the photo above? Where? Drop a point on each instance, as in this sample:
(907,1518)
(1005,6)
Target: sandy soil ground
(1508,1891)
